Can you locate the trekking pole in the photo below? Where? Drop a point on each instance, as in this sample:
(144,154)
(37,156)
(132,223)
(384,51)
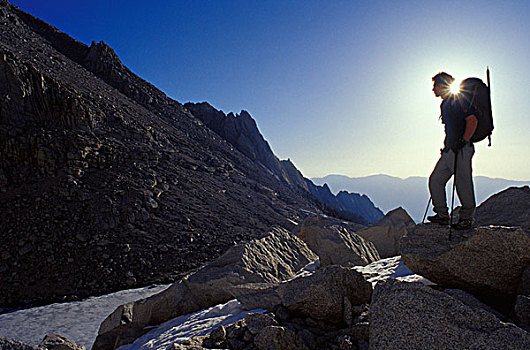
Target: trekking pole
(426,210)
(453,198)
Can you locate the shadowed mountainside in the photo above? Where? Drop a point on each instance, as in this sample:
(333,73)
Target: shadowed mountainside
(107,183)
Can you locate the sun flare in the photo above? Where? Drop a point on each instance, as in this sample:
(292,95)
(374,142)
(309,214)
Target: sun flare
(455,87)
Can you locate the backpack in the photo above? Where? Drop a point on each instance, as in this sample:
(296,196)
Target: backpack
(474,93)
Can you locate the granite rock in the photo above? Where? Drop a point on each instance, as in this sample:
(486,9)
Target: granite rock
(414,316)
(487,261)
(335,244)
(326,294)
(386,233)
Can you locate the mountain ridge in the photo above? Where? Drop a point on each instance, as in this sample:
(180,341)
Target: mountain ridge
(389,192)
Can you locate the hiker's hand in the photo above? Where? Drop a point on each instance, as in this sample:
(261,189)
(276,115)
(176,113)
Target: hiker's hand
(458,145)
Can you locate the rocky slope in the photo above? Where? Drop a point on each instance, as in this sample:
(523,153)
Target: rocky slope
(242,132)
(105,182)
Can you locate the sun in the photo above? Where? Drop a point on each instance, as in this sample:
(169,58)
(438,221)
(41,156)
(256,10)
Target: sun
(455,87)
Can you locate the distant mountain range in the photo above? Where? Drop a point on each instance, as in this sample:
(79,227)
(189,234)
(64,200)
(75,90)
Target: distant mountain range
(388,192)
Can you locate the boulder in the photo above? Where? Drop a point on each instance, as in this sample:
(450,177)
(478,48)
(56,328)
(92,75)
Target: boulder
(414,316)
(335,244)
(257,321)
(327,294)
(386,233)
(487,261)
(258,295)
(57,342)
(12,344)
(276,337)
(510,207)
(274,258)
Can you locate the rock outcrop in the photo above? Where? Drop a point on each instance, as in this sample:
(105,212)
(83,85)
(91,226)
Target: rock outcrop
(487,261)
(58,342)
(334,243)
(386,233)
(327,295)
(274,258)
(510,207)
(414,316)
(241,131)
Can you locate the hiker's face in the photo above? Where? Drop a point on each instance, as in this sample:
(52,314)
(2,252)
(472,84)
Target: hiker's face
(440,90)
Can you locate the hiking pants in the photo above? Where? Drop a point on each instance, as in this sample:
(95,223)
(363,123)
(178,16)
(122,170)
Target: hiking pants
(441,174)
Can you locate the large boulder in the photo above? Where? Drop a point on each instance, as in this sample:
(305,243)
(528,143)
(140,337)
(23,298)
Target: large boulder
(414,316)
(510,207)
(487,261)
(274,258)
(58,342)
(334,243)
(258,295)
(386,233)
(327,295)
(276,337)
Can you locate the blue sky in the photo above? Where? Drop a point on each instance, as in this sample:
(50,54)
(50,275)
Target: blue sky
(339,87)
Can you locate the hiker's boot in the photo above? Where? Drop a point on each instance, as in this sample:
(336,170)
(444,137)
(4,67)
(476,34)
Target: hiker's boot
(463,224)
(439,219)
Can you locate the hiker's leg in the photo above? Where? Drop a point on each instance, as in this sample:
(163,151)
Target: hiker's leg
(464,182)
(440,175)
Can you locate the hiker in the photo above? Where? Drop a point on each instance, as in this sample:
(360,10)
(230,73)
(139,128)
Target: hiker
(460,123)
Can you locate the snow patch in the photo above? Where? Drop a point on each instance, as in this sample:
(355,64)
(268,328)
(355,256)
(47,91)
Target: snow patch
(78,321)
(181,328)
(393,267)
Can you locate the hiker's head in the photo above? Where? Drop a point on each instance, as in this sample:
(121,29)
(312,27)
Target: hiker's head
(442,82)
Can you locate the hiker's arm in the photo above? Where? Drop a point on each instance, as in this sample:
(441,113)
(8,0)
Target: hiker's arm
(471,126)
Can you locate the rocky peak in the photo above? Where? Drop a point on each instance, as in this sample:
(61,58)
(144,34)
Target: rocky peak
(293,175)
(241,131)
(101,58)
(244,114)
(360,204)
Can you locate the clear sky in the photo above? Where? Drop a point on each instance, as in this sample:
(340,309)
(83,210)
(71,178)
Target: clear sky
(339,87)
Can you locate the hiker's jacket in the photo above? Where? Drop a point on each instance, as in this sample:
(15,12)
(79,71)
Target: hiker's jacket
(454,119)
